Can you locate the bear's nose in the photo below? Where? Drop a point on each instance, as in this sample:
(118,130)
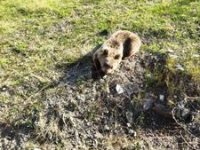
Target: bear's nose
(108,66)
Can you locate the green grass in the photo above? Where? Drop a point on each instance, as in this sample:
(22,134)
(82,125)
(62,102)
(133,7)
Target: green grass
(36,35)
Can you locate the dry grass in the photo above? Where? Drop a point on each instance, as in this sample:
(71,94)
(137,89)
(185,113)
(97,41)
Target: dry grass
(36,36)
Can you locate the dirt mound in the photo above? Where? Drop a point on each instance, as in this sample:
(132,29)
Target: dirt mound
(131,109)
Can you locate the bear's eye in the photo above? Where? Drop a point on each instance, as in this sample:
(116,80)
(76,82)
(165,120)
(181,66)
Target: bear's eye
(105,52)
(117,57)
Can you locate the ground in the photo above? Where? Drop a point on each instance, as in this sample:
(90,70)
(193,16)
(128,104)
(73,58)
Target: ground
(49,100)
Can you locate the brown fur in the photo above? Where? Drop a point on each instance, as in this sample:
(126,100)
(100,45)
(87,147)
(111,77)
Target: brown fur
(121,44)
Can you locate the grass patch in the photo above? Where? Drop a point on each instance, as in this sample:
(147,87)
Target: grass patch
(37,35)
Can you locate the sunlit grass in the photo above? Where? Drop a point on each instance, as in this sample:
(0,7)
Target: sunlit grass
(36,35)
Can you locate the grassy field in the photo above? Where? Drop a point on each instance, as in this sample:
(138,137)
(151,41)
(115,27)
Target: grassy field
(38,35)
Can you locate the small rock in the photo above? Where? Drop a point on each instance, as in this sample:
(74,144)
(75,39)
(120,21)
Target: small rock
(170,50)
(128,125)
(101,80)
(98,135)
(181,105)
(149,75)
(129,116)
(148,104)
(161,98)
(88,124)
(106,127)
(119,89)
(105,76)
(179,67)
(131,131)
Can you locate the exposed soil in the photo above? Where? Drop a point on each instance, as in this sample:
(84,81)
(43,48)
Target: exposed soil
(127,110)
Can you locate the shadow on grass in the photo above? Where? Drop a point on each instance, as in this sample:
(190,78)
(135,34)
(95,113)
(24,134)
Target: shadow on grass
(13,133)
(151,76)
(78,71)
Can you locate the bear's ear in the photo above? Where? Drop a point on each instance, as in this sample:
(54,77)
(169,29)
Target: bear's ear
(127,47)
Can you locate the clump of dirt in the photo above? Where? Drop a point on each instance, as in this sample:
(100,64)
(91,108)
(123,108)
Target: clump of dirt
(130,109)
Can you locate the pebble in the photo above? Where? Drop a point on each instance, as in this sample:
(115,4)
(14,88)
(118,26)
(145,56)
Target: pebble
(149,75)
(101,81)
(181,105)
(179,67)
(161,98)
(129,116)
(128,125)
(131,131)
(98,135)
(104,77)
(119,89)
(106,127)
(170,50)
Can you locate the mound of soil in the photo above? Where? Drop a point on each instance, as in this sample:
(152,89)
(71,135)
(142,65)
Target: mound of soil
(127,110)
